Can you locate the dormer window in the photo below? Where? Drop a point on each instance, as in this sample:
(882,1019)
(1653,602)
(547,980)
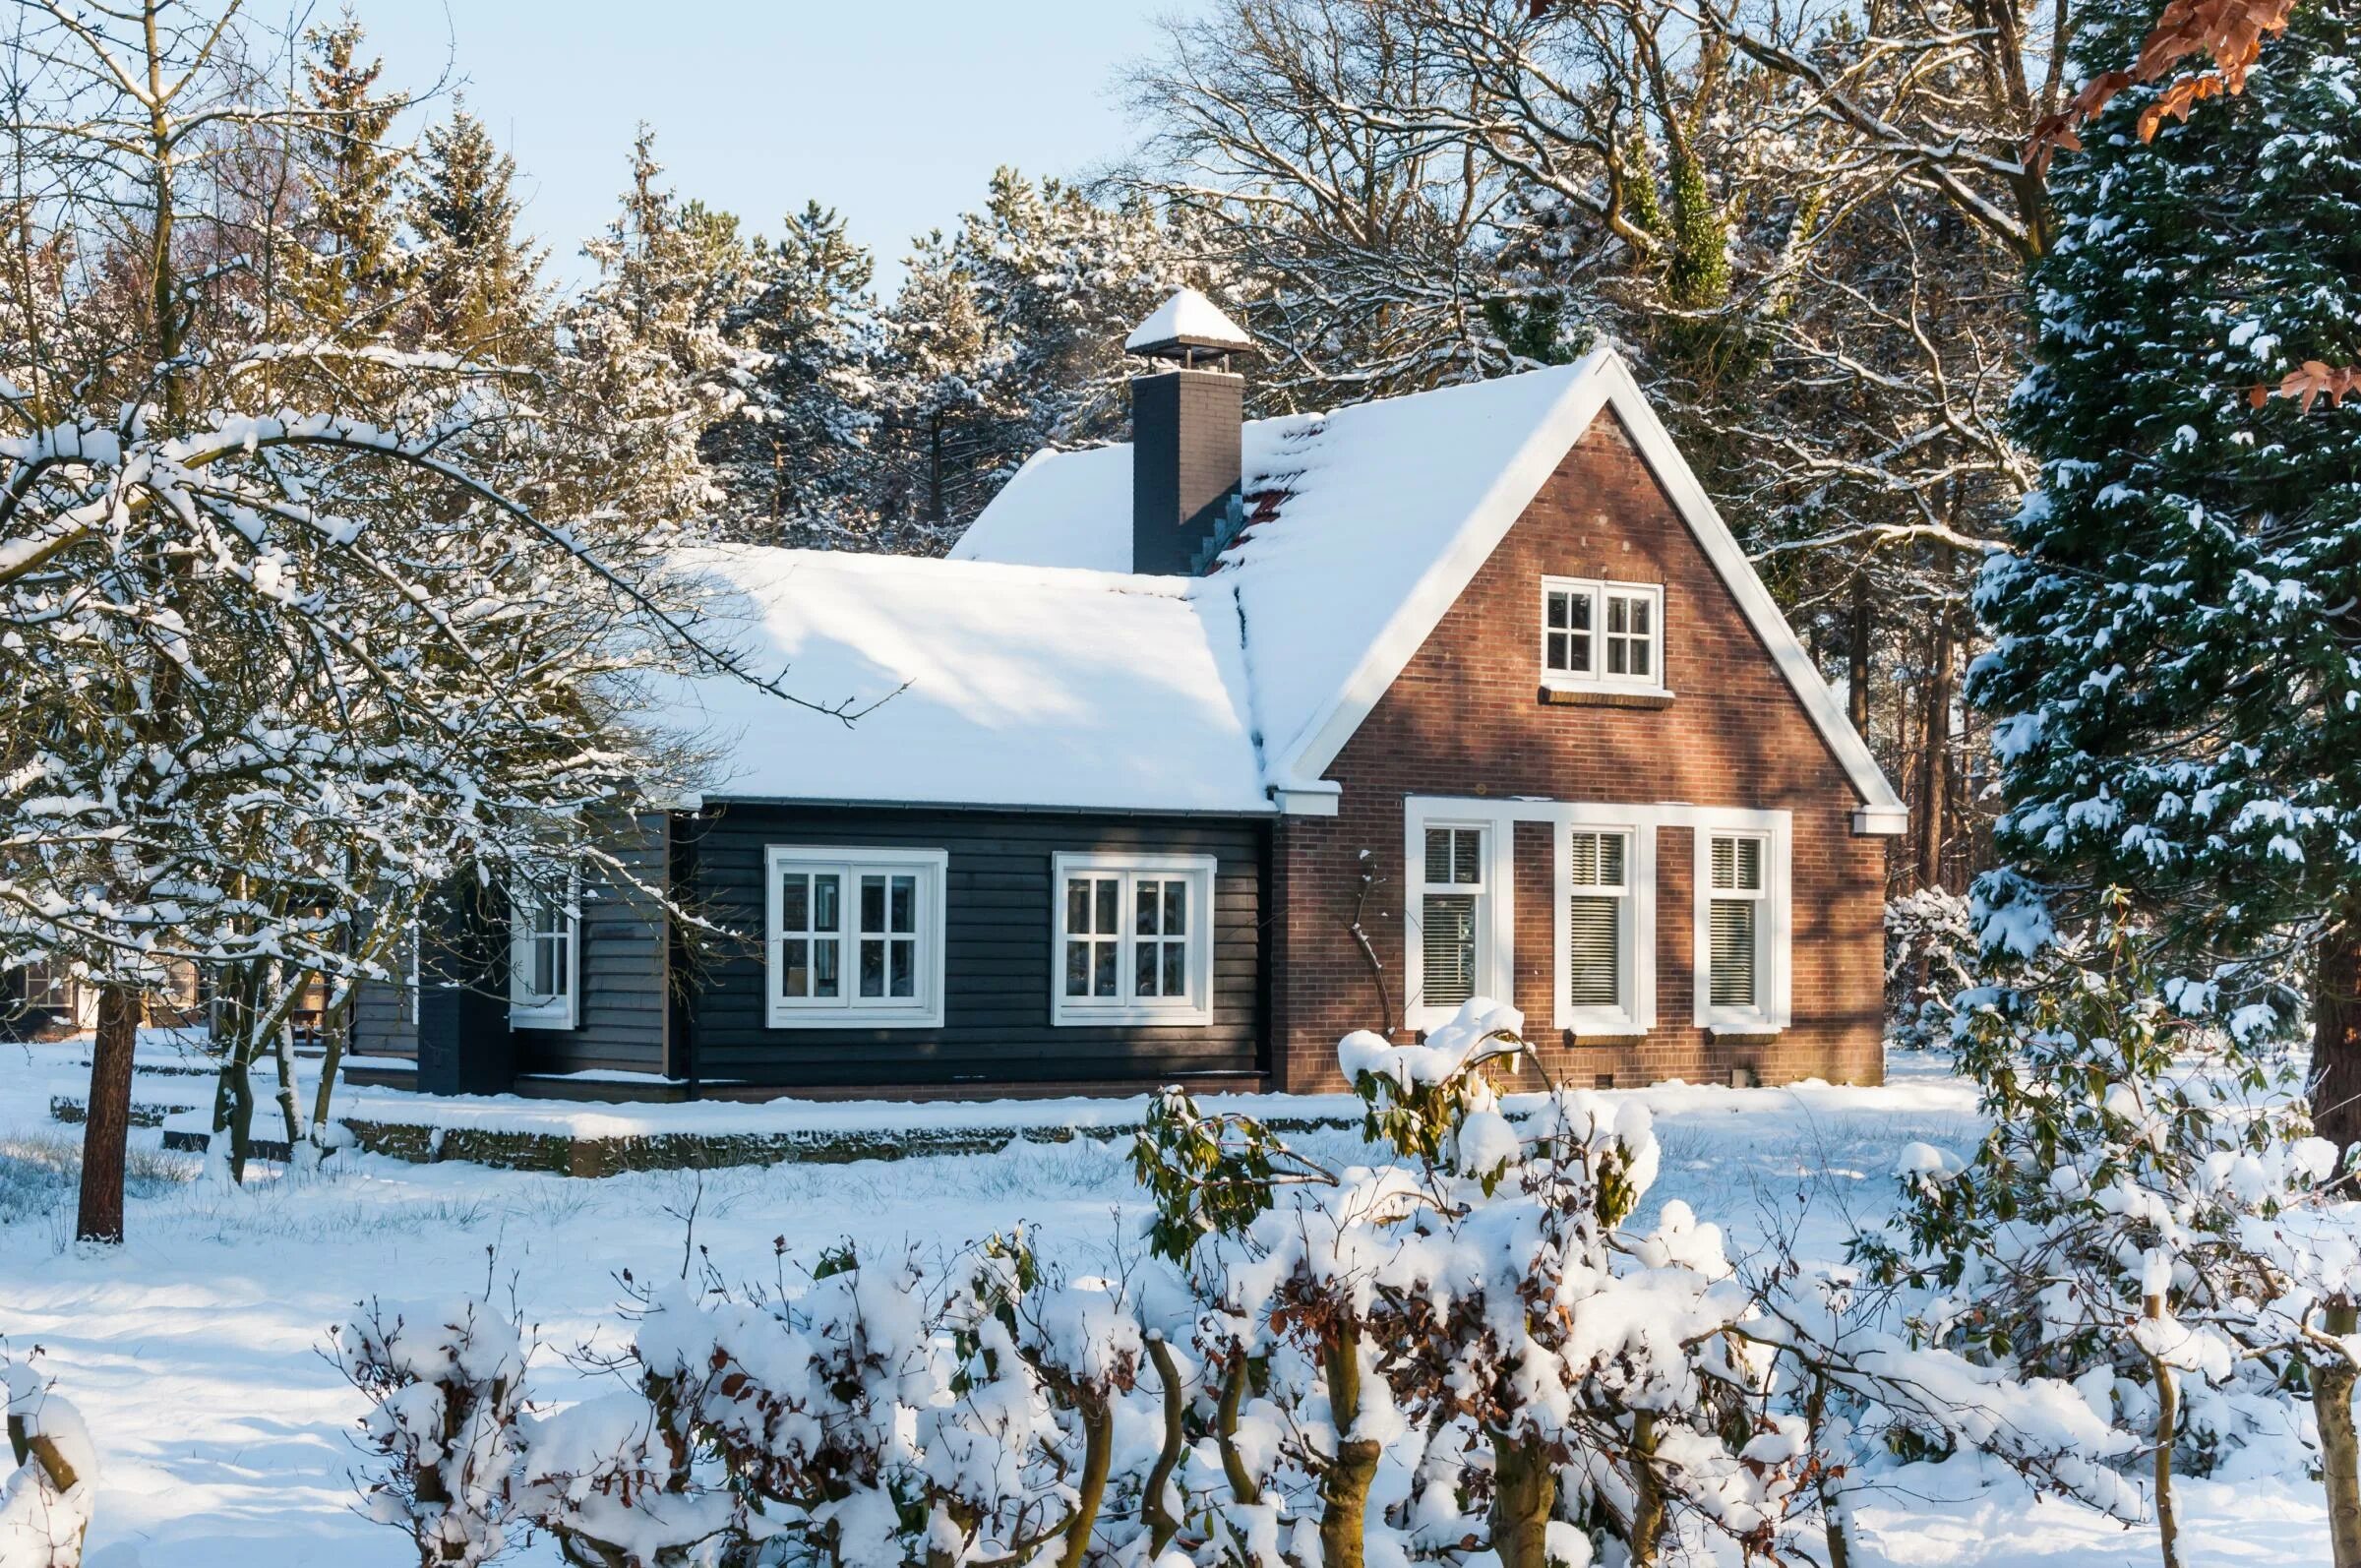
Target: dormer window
(1599,636)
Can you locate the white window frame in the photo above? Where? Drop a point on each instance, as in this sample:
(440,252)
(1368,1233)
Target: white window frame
(1195,1008)
(923,1009)
(1598,590)
(1635,1014)
(527,1009)
(1496,908)
(1773,929)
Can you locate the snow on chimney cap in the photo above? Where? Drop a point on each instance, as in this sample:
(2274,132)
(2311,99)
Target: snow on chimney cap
(1186,321)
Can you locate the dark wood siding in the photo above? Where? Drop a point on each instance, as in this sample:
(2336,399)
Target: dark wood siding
(995,1027)
(619,1021)
(385,1020)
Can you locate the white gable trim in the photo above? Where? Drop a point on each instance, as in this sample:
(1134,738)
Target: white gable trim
(1606,383)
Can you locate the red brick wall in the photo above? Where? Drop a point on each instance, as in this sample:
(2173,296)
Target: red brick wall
(1464,718)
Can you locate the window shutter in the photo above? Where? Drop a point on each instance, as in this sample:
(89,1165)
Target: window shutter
(1449,948)
(1732,950)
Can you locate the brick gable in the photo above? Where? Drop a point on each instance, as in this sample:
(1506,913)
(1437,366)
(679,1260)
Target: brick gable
(1464,718)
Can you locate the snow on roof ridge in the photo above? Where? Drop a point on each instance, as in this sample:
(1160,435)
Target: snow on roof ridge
(1187,317)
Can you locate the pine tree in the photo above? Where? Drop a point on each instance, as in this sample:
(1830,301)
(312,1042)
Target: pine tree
(792,459)
(477,291)
(646,369)
(346,273)
(2176,679)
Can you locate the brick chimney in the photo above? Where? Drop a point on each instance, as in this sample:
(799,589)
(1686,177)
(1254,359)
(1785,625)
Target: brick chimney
(1186,422)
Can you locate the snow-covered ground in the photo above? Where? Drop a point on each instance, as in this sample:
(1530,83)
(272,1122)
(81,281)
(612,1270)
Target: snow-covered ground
(194,1348)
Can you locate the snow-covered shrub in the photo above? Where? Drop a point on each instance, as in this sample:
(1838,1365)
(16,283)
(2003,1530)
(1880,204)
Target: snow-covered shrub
(446,1383)
(1931,958)
(45,1501)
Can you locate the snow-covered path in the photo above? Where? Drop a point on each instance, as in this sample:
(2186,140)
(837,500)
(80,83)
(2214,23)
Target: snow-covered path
(194,1348)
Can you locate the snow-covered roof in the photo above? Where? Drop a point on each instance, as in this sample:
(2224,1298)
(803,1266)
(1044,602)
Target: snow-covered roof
(1188,319)
(1369,522)
(1004,685)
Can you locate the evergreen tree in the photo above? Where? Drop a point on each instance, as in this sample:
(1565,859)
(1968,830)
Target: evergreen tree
(792,458)
(477,292)
(647,368)
(934,453)
(2177,670)
(346,273)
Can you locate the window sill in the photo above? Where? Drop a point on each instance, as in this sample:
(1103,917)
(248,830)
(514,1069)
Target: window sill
(1605,697)
(1742,1025)
(541,1018)
(1601,1026)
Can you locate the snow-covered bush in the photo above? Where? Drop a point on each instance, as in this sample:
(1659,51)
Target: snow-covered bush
(1931,958)
(45,1503)
(446,1383)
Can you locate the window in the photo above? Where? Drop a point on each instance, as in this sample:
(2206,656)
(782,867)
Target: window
(545,919)
(1607,636)
(855,937)
(1741,928)
(1133,939)
(1597,906)
(1454,916)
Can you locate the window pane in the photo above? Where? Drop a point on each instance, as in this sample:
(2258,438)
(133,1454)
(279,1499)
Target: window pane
(541,976)
(1595,951)
(1618,656)
(1176,969)
(904,981)
(1557,658)
(1108,891)
(1448,945)
(1750,865)
(1103,970)
(873,904)
(795,902)
(1640,610)
(1077,969)
(1466,858)
(1611,847)
(1578,605)
(1558,611)
(795,967)
(873,963)
(1618,615)
(1175,908)
(1144,970)
(1582,860)
(1438,853)
(1725,863)
(1579,660)
(1639,658)
(824,979)
(905,905)
(826,888)
(1732,952)
(1077,904)
(1144,909)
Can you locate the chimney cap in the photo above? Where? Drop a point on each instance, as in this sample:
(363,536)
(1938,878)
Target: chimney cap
(1184,326)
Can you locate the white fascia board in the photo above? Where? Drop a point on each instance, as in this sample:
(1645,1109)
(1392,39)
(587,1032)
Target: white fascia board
(1606,383)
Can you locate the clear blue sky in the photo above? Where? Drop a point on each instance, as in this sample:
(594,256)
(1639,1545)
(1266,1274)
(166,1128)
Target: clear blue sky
(894,111)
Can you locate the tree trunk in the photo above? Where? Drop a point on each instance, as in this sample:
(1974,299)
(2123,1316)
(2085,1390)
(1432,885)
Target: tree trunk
(106,1129)
(2332,1379)
(1836,1522)
(1647,1491)
(2337,1036)
(2169,1424)
(1162,1524)
(1345,1489)
(1098,1454)
(1856,668)
(282,1050)
(1524,1491)
(1225,1430)
(1934,757)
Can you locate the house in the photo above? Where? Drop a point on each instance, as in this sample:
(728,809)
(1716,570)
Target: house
(1201,752)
